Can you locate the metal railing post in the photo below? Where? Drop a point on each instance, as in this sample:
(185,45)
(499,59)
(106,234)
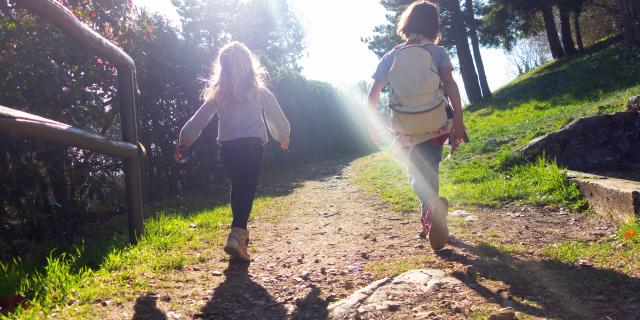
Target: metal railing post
(132,165)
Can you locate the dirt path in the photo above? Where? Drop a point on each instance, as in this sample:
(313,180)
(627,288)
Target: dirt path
(327,238)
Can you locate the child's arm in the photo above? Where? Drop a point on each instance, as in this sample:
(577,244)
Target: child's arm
(192,129)
(373,121)
(452,91)
(276,120)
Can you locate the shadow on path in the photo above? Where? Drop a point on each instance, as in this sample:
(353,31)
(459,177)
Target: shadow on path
(548,288)
(146,308)
(239,297)
(311,307)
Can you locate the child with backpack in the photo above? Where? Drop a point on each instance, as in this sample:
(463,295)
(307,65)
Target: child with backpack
(426,109)
(236,93)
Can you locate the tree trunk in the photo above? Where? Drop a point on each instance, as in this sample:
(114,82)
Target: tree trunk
(467,68)
(565,29)
(552,33)
(482,76)
(630,11)
(576,24)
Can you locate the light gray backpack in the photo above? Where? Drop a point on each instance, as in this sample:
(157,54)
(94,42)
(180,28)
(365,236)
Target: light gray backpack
(417,100)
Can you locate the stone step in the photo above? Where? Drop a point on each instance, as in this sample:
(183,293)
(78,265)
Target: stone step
(617,199)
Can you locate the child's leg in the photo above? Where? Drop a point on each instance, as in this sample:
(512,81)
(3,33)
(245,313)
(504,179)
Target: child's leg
(242,162)
(423,164)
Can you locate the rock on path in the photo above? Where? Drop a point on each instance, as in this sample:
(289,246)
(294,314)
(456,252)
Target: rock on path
(389,295)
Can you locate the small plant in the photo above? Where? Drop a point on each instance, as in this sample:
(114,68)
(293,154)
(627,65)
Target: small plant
(606,108)
(630,231)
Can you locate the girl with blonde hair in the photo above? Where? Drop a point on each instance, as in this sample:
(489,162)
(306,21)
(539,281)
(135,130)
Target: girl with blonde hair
(236,93)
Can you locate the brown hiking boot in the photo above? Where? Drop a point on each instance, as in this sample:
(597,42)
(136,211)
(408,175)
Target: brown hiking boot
(237,244)
(439,232)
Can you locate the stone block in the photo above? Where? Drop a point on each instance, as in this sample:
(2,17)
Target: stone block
(613,198)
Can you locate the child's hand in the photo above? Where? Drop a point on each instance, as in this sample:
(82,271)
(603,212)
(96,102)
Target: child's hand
(457,132)
(285,145)
(178,155)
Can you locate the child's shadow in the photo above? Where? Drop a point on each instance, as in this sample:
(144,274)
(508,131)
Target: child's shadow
(239,297)
(146,308)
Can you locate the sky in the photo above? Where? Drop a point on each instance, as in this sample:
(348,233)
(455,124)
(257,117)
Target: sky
(335,52)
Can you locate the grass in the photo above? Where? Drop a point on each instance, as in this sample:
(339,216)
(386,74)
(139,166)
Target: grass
(68,284)
(475,182)
(380,173)
(621,252)
(487,171)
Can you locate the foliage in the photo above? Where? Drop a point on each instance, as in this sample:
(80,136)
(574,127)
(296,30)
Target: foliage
(599,19)
(529,53)
(506,22)
(45,73)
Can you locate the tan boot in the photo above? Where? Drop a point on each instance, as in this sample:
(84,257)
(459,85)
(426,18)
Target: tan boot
(439,232)
(237,244)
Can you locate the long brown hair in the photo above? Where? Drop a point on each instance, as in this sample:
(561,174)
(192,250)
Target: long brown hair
(237,76)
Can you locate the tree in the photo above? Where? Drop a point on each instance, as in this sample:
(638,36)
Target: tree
(507,21)
(576,24)
(467,67)
(473,35)
(530,53)
(630,16)
(576,6)
(565,28)
(268,27)
(599,19)
(552,32)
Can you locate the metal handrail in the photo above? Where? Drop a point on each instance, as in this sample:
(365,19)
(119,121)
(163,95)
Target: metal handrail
(63,18)
(31,126)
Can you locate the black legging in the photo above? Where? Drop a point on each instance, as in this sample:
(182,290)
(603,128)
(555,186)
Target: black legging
(242,160)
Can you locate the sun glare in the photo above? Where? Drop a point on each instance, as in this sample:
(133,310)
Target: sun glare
(335,51)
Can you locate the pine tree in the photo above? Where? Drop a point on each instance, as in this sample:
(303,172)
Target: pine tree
(473,35)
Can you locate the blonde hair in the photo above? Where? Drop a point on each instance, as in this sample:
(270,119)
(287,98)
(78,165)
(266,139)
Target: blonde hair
(236,76)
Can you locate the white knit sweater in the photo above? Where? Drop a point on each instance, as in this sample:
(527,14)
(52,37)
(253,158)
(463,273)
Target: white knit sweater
(240,120)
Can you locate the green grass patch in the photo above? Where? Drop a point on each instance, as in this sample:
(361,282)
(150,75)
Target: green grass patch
(620,253)
(481,313)
(475,182)
(68,284)
(380,173)
(487,170)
